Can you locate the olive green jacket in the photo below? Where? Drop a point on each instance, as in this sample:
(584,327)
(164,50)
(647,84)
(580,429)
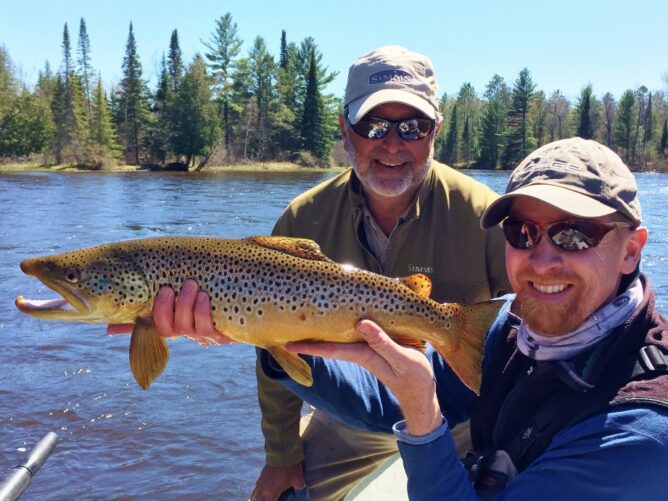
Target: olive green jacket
(440,238)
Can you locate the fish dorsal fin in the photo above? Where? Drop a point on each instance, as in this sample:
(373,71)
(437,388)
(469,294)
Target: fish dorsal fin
(298,247)
(418,283)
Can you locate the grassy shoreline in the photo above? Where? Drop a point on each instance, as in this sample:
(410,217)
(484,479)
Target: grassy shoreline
(264,167)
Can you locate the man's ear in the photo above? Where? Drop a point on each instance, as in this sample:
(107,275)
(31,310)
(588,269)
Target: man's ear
(635,241)
(344,132)
(437,128)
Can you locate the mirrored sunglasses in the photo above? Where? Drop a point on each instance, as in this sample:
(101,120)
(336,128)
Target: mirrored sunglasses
(568,235)
(410,129)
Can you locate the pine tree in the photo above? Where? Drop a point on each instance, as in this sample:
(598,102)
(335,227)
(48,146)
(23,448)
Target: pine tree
(518,139)
(663,144)
(284,113)
(624,124)
(131,104)
(312,122)
(224,47)
(84,64)
(68,110)
(196,126)
(175,59)
(492,123)
(583,111)
(8,82)
(103,135)
(450,153)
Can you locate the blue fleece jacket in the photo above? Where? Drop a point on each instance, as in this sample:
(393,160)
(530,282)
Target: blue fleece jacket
(619,454)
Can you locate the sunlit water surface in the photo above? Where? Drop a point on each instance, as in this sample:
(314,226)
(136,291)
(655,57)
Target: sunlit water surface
(195,433)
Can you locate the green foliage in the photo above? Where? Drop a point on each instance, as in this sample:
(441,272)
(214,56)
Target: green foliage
(131,103)
(518,139)
(26,127)
(583,111)
(103,136)
(493,122)
(195,115)
(624,125)
(663,144)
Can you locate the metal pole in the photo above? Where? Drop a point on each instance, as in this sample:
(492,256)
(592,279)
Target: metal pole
(19,478)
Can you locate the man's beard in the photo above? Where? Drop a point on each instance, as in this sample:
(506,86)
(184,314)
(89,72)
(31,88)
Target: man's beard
(551,318)
(391,187)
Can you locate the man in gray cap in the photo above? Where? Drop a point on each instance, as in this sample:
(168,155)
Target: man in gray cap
(396,212)
(574,395)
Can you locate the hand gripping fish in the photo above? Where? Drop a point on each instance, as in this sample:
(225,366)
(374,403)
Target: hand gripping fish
(264,291)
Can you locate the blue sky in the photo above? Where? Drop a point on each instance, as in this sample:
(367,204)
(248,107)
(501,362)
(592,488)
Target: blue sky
(613,44)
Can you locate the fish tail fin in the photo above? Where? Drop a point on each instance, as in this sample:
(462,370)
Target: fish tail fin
(465,352)
(149,352)
(293,365)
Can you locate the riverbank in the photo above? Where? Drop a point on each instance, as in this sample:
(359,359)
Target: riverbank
(244,167)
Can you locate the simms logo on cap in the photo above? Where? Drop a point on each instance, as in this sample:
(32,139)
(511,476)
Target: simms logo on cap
(390,76)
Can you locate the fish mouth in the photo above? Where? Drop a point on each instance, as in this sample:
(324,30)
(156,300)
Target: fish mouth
(72,305)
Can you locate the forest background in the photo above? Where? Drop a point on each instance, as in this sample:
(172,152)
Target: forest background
(226,105)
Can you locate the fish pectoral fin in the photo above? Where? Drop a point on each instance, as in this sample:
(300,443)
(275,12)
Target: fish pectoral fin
(298,247)
(411,342)
(293,365)
(418,283)
(148,352)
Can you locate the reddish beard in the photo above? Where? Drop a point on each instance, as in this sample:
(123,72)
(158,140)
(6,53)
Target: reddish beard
(550,318)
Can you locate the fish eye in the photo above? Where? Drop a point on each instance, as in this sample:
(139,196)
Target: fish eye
(72,275)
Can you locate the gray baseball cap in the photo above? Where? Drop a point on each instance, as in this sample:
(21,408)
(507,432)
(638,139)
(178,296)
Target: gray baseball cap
(391,74)
(578,176)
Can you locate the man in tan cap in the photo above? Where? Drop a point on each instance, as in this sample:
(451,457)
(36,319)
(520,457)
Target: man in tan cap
(396,212)
(574,395)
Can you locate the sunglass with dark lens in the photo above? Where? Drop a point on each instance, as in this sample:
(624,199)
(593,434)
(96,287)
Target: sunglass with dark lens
(567,235)
(410,129)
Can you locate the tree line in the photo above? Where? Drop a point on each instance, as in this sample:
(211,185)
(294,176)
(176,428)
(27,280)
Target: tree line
(254,107)
(242,107)
(501,127)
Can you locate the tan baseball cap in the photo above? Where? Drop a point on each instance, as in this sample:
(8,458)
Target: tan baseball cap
(578,176)
(391,74)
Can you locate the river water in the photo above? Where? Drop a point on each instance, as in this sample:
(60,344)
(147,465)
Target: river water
(195,433)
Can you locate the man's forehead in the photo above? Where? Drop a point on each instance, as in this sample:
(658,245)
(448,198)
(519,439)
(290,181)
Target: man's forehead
(396,108)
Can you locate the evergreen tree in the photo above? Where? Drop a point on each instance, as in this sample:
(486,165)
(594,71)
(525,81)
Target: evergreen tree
(196,126)
(518,139)
(224,47)
(583,111)
(637,136)
(84,64)
(285,110)
(663,144)
(175,58)
(262,73)
(165,115)
(25,127)
(449,155)
(103,135)
(8,82)
(492,124)
(68,110)
(312,123)
(131,104)
(624,124)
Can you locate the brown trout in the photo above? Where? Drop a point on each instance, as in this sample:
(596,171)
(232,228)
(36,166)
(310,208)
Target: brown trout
(264,291)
